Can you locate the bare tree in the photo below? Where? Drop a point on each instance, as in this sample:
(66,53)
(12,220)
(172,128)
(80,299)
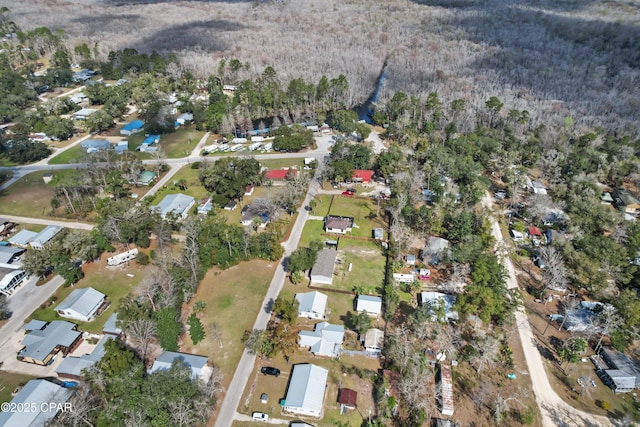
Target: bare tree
(191,228)
(142,335)
(488,347)
(555,274)
(216,331)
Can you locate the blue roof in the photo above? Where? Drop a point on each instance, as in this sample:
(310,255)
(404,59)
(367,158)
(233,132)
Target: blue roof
(151,139)
(136,124)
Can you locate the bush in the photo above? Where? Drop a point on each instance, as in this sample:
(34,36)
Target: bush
(527,417)
(142,258)
(604,404)
(196,330)
(196,165)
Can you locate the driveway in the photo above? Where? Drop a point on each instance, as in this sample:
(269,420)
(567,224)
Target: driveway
(554,410)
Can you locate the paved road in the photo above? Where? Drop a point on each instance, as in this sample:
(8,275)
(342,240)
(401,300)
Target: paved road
(28,220)
(242,417)
(22,303)
(238,383)
(554,410)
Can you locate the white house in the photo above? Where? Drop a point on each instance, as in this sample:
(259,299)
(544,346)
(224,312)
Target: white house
(81,304)
(312,305)
(325,339)
(197,364)
(338,224)
(45,236)
(372,305)
(373,341)
(175,204)
(322,270)
(305,395)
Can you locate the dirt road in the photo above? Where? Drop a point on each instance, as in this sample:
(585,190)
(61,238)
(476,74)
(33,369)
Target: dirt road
(554,410)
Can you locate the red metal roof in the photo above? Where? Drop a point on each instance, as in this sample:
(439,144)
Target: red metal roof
(534,231)
(364,175)
(347,397)
(279,173)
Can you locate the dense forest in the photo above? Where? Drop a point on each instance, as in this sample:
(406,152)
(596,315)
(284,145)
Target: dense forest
(559,60)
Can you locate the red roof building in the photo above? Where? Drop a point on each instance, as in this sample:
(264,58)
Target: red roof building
(364,176)
(534,232)
(348,397)
(280,174)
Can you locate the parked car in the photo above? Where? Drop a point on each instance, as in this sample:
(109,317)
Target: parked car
(260,416)
(268,370)
(347,193)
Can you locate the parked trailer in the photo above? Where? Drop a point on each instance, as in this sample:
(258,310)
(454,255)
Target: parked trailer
(237,147)
(257,139)
(210,149)
(223,148)
(255,146)
(239,141)
(268,147)
(123,257)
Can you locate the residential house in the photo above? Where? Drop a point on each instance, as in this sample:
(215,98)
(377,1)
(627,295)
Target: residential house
(78,98)
(111,326)
(22,238)
(606,198)
(534,233)
(538,187)
(445,394)
(439,302)
(45,236)
(325,339)
(625,201)
(373,341)
(312,305)
(95,145)
(256,213)
(121,146)
(280,174)
(184,118)
(10,279)
(146,178)
(338,224)
(9,255)
(177,205)
(370,304)
(72,367)
(436,249)
(41,346)
(322,270)
(35,400)
(362,176)
(84,113)
(82,304)
(347,398)
(232,205)
(197,364)
(151,139)
(132,127)
(305,394)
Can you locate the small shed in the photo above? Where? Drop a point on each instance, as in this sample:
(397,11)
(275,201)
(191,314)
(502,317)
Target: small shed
(347,398)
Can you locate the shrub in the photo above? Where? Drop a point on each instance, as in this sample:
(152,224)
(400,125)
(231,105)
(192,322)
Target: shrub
(196,165)
(527,417)
(142,258)
(604,405)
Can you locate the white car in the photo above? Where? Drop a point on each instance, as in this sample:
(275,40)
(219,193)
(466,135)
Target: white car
(260,416)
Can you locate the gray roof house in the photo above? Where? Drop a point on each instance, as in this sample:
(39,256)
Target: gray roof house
(45,236)
(42,345)
(305,394)
(370,304)
(175,204)
(9,254)
(22,238)
(81,304)
(435,250)
(83,113)
(111,326)
(312,305)
(33,395)
(618,371)
(325,339)
(338,224)
(197,364)
(72,367)
(95,145)
(322,270)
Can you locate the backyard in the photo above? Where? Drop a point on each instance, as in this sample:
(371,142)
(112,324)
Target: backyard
(28,196)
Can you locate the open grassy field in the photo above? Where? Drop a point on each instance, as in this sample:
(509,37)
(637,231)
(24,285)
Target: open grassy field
(180,143)
(114,282)
(72,155)
(282,163)
(367,266)
(233,298)
(322,205)
(29,196)
(194,188)
(8,383)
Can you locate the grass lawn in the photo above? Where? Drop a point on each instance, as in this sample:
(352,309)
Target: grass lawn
(367,266)
(72,155)
(233,298)
(9,381)
(179,143)
(282,163)
(364,211)
(29,196)
(312,230)
(111,281)
(194,188)
(322,205)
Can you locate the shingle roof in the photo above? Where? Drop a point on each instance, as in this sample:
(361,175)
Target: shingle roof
(325,262)
(307,387)
(348,397)
(83,301)
(338,222)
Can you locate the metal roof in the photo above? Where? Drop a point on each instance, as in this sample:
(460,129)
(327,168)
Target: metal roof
(22,237)
(33,395)
(83,301)
(8,253)
(368,303)
(195,362)
(307,387)
(34,325)
(325,339)
(174,203)
(38,344)
(45,235)
(74,365)
(312,302)
(111,326)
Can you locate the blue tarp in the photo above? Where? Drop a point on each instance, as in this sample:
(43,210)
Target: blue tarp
(136,124)
(151,139)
